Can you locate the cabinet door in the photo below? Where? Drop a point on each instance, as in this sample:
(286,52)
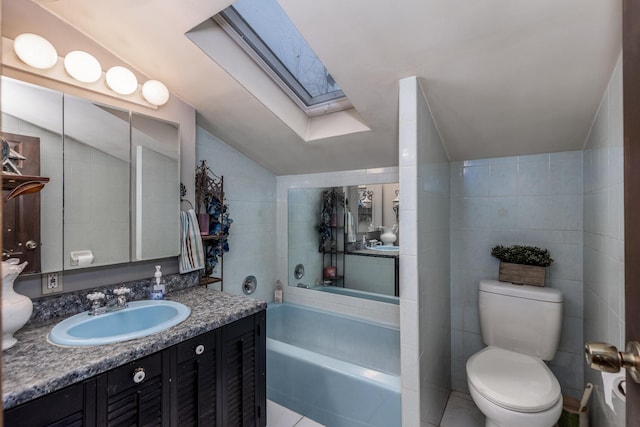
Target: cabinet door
(196,397)
(243,373)
(71,406)
(135,394)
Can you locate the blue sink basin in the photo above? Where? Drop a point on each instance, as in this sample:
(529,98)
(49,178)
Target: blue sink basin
(386,248)
(139,319)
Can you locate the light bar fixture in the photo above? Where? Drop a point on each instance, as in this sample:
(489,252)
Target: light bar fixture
(82,66)
(121,80)
(38,52)
(35,51)
(155,92)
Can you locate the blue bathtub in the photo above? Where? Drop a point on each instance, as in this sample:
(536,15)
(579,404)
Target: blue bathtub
(337,370)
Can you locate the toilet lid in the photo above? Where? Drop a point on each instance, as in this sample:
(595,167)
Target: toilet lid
(513,380)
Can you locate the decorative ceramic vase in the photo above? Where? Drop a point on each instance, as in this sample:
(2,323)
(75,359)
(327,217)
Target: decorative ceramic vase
(388,237)
(16,308)
(203,223)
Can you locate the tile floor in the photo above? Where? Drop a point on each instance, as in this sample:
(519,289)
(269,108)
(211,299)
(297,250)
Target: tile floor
(460,412)
(279,416)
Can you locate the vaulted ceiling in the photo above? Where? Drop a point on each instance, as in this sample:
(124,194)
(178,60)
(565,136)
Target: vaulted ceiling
(502,77)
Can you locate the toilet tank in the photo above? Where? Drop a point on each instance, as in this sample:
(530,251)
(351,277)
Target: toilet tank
(521,318)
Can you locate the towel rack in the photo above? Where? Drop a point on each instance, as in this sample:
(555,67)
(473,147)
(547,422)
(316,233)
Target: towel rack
(187,201)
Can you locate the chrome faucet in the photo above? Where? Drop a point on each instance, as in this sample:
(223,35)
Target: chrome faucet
(121,296)
(114,302)
(96,299)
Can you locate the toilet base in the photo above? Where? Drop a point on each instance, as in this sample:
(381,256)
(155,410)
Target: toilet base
(497,416)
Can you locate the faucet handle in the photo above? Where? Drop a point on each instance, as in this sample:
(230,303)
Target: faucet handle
(121,291)
(95,296)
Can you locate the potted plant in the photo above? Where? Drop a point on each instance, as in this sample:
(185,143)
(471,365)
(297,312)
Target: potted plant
(524,265)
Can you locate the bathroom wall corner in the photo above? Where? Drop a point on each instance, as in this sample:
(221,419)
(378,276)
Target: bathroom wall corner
(425,296)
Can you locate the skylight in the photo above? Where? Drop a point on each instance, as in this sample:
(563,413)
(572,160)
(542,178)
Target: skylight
(264,30)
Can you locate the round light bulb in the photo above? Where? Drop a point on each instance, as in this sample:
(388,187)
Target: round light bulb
(121,80)
(155,92)
(82,66)
(35,50)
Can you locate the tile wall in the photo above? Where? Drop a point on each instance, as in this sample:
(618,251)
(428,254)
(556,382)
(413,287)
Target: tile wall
(533,200)
(251,194)
(98,185)
(604,240)
(424,263)
(304,215)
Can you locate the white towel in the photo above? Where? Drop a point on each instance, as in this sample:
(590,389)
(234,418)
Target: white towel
(351,229)
(191,252)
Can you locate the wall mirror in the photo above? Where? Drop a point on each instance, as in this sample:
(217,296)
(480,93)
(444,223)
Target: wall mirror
(339,243)
(155,152)
(113,178)
(32,125)
(96,184)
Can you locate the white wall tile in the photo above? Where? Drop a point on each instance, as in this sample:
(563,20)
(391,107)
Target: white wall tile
(475,181)
(503,178)
(533,200)
(603,266)
(251,195)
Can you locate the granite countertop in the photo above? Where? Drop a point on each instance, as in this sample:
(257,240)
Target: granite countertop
(35,367)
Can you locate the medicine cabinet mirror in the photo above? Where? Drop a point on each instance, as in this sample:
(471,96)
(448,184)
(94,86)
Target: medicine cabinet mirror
(112,194)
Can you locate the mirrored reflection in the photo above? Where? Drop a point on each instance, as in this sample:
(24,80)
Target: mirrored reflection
(347,240)
(155,151)
(97,182)
(32,127)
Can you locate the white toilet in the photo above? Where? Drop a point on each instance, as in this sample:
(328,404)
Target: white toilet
(509,380)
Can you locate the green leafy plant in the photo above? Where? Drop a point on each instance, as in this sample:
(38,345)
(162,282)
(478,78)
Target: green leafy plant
(527,255)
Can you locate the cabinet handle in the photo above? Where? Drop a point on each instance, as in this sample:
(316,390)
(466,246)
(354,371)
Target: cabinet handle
(138,375)
(199,349)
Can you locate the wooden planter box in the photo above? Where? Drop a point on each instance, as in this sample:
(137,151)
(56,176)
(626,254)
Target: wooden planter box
(522,274)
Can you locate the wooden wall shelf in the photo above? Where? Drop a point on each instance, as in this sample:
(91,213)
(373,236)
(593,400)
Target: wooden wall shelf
(10,181)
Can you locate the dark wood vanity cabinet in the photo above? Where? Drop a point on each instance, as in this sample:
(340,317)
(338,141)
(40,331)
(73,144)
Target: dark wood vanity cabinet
(244,373)
(135,394)
(195,382)
(71,406)
(215,379)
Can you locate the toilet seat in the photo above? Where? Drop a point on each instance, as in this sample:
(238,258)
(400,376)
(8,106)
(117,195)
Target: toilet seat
(513,380)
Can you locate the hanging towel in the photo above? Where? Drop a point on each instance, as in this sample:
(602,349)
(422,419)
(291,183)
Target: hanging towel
(351,229)
(191,253)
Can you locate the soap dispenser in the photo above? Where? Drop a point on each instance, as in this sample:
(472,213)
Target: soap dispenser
(158,285)
(278,293)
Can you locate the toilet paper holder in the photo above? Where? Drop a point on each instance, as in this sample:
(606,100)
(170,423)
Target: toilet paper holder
(81,258)
(606,358)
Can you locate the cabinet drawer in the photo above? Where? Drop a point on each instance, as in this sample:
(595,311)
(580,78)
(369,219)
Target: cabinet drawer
(197,346)
(133,374)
